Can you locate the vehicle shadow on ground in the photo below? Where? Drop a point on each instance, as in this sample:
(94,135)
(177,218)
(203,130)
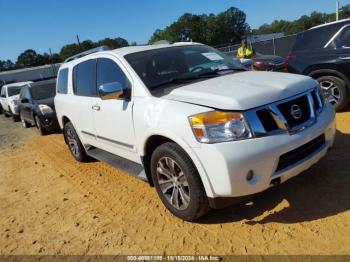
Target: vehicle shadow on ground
(319,192)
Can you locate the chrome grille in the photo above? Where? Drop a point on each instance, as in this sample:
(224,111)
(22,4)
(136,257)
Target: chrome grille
(290,115)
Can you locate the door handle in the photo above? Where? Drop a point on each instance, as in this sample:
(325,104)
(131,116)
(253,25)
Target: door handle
(344,57)
(96,107)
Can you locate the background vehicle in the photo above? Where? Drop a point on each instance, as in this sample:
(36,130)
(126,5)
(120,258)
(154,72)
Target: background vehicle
(186,118)
(268,63)
(262,62)
(36,106)
(9,99)
(323,52)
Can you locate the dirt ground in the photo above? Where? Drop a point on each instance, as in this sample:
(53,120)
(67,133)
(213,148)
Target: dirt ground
(50,204)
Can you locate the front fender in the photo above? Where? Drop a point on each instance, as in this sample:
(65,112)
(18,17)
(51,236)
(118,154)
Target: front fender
(187,148)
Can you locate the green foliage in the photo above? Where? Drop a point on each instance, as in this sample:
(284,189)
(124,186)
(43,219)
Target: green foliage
(6,65)
(226,27)
(303,23)
(73,49)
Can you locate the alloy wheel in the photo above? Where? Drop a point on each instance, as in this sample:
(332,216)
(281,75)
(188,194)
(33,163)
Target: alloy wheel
(331,91)
(173,183)
(72,142)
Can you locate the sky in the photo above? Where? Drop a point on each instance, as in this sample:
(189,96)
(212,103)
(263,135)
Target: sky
(44,24)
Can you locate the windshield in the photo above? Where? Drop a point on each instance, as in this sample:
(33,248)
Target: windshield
(13,90)
(43,92)
(175,65)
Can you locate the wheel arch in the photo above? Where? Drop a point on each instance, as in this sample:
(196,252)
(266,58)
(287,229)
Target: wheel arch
(156,140)
(316,73)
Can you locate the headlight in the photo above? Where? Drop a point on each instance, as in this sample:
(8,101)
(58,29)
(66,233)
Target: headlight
(45,109)
(217,126)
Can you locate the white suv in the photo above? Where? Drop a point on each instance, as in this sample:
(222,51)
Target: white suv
(9,98)
(191,121)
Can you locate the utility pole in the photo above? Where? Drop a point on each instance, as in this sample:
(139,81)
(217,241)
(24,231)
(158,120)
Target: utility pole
(52,63)
(78,42)
(337,10)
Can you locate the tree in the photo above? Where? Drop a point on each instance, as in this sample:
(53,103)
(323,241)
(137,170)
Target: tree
(73,49)
(113,43)
(27,58)
(226,27)
(303,23)
(6,65)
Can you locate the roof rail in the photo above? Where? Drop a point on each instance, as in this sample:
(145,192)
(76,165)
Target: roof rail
(88,52)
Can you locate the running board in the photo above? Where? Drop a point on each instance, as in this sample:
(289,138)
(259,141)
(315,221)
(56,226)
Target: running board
(118,162)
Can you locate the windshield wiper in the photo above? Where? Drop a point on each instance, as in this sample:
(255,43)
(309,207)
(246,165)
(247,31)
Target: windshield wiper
(220,72)
(207,74)
(178,80)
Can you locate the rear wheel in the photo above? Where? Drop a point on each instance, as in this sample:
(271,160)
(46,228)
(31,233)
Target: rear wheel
(15,118)
(75,146)
(178,183)
(334,90)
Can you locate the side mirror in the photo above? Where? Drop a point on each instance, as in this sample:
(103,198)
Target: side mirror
(25,100)
(113,90)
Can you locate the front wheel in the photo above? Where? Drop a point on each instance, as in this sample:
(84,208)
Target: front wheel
(334,90)
(178,183)
(24,123)
(75,146)
(39,126)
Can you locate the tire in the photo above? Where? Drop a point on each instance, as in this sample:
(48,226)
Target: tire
(1,110)
(74,144)
(190,200)
(335,90)
(23,122)
(41,130)
(15,118)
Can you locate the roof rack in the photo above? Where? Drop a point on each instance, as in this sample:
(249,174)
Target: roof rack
(88,52)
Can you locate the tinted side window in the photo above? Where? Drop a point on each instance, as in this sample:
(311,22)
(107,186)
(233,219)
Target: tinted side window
(84,78)
(316,38)
(108,71)
(62,81)
(25,93)
(344,39)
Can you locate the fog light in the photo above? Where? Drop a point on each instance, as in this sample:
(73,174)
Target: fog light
(250,175)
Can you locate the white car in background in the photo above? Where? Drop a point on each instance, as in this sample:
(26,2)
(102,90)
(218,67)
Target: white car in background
(191,121)
(9,99)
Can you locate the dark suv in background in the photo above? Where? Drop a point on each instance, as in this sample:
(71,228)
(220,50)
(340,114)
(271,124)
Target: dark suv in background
(36,106)
(323,52)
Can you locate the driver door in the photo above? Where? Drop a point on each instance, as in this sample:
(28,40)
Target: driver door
(113,117)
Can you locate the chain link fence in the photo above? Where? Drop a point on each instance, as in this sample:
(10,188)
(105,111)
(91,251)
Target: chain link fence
(277,46)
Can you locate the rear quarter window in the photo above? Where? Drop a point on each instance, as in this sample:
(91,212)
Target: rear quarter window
(62,81)
(316,38)
(84,78)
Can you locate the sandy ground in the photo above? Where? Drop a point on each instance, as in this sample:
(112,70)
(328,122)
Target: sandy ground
(50,204)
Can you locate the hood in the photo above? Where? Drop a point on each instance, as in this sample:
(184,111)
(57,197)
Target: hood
(13,98)
(48,101)
(242,91)
(268,58)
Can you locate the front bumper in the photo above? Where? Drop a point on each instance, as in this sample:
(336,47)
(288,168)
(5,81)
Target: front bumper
(226,165)
(49,121)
